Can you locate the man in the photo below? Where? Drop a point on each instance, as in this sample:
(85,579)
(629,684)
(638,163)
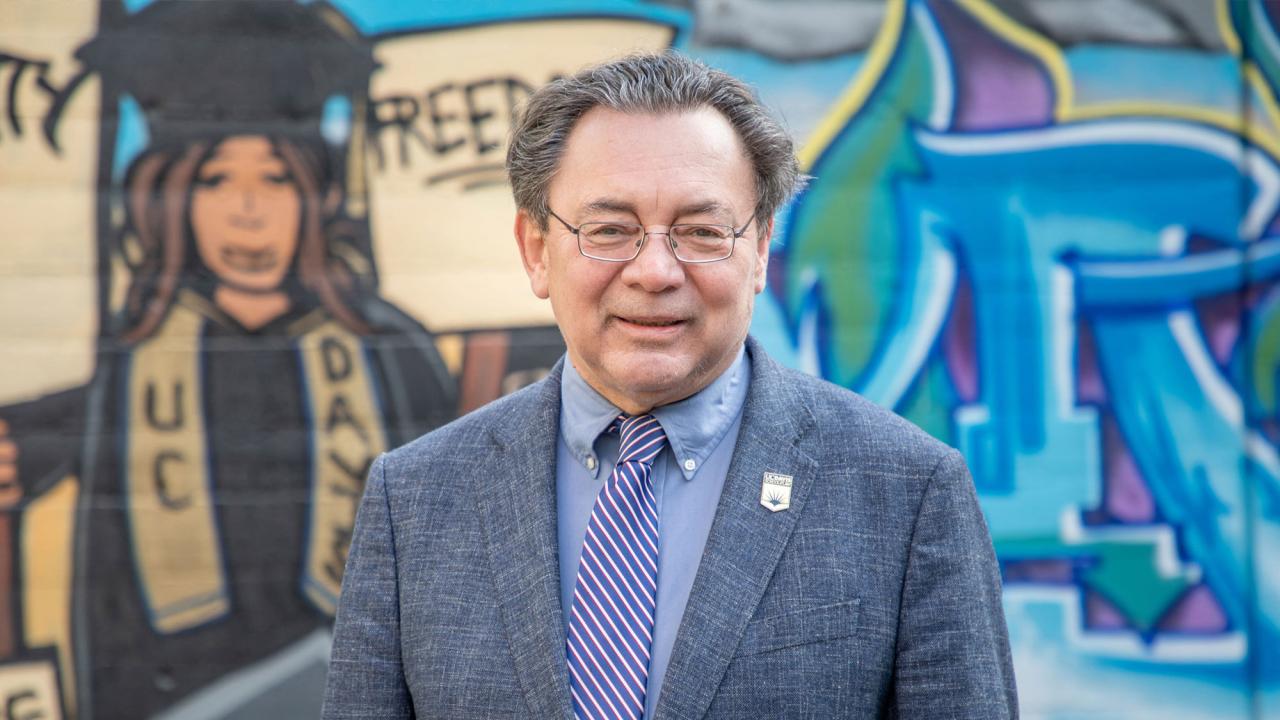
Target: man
(670,525)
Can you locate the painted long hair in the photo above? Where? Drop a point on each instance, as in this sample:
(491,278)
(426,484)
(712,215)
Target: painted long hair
(158,190)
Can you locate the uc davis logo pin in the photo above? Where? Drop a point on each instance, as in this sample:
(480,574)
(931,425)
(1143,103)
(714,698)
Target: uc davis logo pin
(775,491)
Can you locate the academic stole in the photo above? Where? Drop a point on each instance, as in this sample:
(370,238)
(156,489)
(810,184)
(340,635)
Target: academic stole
(170,505)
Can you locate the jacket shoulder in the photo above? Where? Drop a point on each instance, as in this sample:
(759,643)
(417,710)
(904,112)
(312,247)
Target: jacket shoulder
(851,426)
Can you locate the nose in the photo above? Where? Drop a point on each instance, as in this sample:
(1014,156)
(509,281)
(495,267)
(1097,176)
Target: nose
(655,269)
(246,216)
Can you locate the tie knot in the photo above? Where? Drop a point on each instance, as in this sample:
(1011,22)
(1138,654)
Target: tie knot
(642,438)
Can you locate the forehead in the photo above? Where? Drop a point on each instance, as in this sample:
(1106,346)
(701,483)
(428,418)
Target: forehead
(244,149)
(654,162)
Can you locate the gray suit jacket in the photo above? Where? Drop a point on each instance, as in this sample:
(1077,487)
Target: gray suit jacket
(875,595)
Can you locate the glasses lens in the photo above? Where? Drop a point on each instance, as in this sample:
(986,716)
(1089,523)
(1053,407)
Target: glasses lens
(610,241)
(700,243)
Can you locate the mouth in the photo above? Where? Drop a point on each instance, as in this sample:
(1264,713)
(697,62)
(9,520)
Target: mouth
(651,322)
(651,327)
(249,261)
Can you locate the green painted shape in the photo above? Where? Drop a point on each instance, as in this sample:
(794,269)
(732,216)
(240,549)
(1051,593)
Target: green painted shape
(844,231)
(1125,573)
(930,402)
(1037,548)
(1266,359)
(1245,20)
(1127,576)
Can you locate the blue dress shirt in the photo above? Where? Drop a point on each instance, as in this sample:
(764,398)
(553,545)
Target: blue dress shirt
(702,431)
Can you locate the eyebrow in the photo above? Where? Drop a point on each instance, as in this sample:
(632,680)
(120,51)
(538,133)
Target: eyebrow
(695,208)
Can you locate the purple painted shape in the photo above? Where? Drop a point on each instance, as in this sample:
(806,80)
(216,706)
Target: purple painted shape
(776,276)
(1274,227)
(1039,571)
(1127,497)
(1272,11)
(997,85)
(1089,387)
(1100,614)
(1197,611)
(959,349)
(1220,319)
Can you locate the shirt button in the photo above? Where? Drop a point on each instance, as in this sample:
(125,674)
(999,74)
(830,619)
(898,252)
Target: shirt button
(690,464)
(591,462)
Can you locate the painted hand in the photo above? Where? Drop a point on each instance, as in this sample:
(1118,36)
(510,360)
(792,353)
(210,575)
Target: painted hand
(10,490)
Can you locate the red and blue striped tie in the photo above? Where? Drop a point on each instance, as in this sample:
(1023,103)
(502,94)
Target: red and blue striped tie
(611,620)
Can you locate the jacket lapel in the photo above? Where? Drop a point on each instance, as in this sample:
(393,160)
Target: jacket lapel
(745,542)
(518,512)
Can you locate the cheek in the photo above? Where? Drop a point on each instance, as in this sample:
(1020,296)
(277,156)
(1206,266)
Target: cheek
(207,222)
(284,210)
(729,293)
(577,284)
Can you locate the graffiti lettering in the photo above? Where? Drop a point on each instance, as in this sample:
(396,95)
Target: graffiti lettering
(175,420)
(439,118)
(354,473)
(163,486)
(57,97)
(18,706)
(479,112)
(447,119)
(340,414)
(337,362)
(337,562)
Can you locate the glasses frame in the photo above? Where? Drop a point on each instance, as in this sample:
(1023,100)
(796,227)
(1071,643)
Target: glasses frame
(577,233)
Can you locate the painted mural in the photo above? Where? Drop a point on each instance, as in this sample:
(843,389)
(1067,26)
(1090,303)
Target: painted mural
(1046,231)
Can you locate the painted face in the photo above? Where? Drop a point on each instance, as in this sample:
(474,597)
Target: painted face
(245,214)
(653,330)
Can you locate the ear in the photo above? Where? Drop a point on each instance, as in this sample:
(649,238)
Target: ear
(532,241)
(762,254)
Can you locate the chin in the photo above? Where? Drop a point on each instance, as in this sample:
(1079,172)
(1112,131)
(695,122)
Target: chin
(255,285)
(656,373)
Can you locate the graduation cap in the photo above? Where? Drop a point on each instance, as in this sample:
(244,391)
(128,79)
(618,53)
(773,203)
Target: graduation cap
(219,67)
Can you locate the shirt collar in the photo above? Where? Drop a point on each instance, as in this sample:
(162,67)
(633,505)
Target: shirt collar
(694,426)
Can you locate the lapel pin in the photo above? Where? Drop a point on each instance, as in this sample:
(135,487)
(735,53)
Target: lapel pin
(775,491)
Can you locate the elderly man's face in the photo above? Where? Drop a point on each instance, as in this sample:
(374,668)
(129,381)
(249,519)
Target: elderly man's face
(653,330)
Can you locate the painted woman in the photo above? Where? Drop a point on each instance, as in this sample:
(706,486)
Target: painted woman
(252,375)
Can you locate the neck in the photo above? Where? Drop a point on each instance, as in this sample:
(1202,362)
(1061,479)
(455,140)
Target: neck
(641,403)
(251,309)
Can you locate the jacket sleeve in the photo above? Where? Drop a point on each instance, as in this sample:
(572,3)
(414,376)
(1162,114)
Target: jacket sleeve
(49,434)
(366,678)
(953,656)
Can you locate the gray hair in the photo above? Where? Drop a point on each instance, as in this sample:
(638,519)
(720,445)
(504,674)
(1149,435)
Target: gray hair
(647,84)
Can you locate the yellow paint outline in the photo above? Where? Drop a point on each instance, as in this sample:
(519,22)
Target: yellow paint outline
(1123,108)
(1270,107)
(855,96)
(886,43)
(1065,109)
(1230,38)
(1033,43)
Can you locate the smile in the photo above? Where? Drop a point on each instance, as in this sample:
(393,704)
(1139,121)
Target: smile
(652,323)
(249,261)
(651,329)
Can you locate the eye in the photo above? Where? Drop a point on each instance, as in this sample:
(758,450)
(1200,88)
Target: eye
(608,231)
(279,179)
(702,232)
(211,181)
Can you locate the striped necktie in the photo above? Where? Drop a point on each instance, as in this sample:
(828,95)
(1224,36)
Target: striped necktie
(611,620)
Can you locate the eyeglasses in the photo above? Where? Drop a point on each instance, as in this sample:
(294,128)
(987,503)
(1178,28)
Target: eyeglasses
(621,241)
